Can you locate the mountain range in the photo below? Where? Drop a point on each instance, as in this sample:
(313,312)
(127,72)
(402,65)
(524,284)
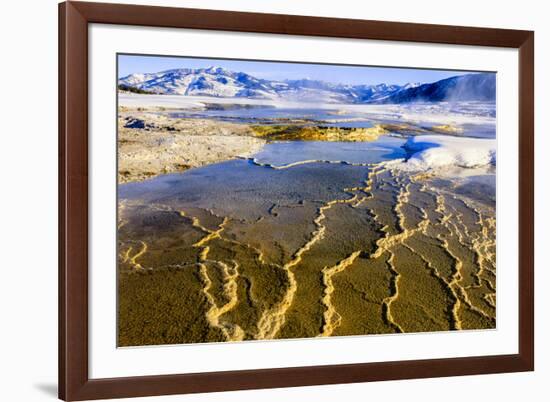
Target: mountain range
(219,82)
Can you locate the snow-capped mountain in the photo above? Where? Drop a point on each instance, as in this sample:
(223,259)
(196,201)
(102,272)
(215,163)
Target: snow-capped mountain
(212,81)
(219,82)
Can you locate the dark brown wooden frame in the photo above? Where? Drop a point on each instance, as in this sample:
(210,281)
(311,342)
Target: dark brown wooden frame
(74,17)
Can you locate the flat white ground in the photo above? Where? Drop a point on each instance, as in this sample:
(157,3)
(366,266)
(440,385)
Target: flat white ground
(436,113)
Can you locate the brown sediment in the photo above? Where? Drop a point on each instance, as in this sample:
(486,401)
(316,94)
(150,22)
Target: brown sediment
(360,294)
(423,302)
(287,225)
(400,253)
(162,306)
(273,318)
(432,263)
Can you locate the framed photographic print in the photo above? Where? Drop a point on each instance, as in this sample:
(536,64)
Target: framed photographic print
(260,200)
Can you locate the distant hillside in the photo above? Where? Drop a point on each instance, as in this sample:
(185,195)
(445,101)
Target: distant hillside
(470,87)
(219,82)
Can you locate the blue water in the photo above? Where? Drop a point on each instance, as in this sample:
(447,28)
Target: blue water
(245,190)
(270,115)
(284,153)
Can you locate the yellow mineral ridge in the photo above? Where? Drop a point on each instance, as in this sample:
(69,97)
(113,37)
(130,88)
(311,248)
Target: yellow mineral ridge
(273,318)
(318,133)
(332,319)
(394,287)
(132,260)
(232,332)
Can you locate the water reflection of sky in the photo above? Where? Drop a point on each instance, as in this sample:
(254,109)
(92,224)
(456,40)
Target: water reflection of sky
(242,189)
(239,189)
(284,153)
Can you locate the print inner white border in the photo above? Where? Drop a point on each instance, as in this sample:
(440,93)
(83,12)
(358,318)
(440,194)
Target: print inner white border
(106,360)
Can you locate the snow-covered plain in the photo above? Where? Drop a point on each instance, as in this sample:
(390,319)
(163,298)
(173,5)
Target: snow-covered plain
(454,113)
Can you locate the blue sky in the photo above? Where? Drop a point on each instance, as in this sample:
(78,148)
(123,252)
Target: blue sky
(128,64)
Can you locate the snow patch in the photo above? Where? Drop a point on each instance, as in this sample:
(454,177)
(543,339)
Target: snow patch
(436,151)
